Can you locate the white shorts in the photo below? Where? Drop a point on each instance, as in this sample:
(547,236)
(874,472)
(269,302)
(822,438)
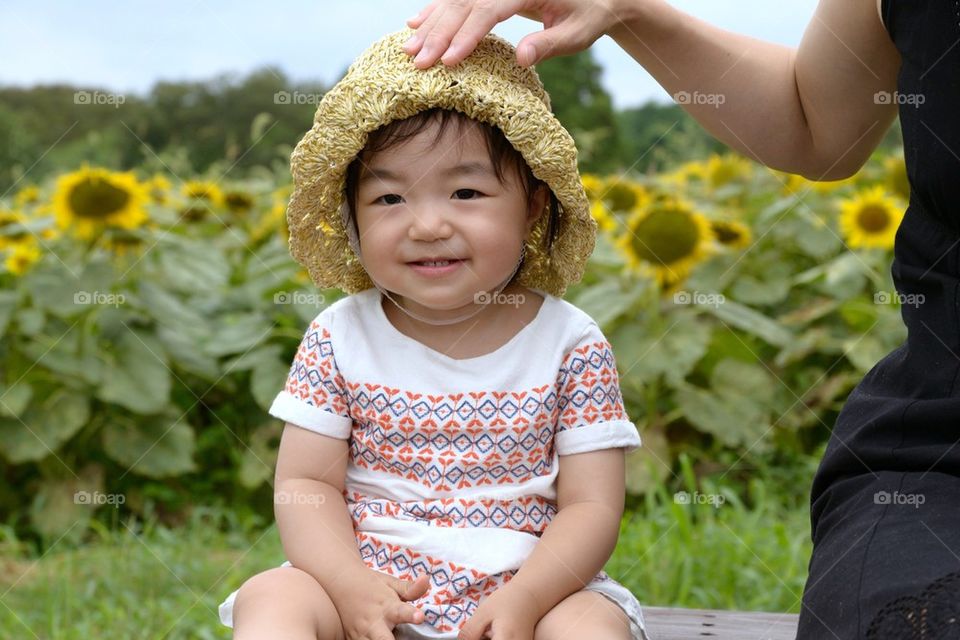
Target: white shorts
(611,589)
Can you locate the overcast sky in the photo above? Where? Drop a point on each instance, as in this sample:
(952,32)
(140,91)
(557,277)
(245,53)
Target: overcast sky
(126,47)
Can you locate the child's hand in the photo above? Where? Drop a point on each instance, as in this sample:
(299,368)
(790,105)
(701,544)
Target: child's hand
(506,613)
(372,603)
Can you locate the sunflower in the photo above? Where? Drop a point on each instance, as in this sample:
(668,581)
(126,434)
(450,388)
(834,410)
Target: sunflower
(91,199)
(722,170)
(665,240)
(21,257)
(276,219)
(688,171)
(895,176)
(120,242)
(159,188)
(623,195)
(870,218)
(731,234)
(12,229)
(794,183)
(602,215)
(27,195)
(593,185)
(203,190)
(238,201)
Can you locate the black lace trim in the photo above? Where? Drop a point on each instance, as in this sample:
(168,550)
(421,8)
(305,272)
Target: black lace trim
(933,614)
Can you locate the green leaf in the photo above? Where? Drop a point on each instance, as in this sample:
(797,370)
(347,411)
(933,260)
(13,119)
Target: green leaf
(606,300)
(168,309)
(737,378)
(30,321)
(237,333)
(193,267)
(648,466)
(814,237)
(668,346)
(139,379)
(732,419)
(268,378)
(66,505)
(72,354)
(260,457)
(188,354)
(14,400)
(57,290)
(153,446)
(743,317)
(864,351)
(8,302)
(46,424)
(846,276)
(605,254)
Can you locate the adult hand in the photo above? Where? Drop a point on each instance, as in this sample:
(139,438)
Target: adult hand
(371,603)
(450,29)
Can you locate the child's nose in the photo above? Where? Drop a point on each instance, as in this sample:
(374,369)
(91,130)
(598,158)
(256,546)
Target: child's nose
(429,223)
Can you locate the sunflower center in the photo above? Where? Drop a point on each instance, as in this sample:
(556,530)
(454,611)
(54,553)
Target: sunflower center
(97,198)
(664,237)
(873,218)
(726,234)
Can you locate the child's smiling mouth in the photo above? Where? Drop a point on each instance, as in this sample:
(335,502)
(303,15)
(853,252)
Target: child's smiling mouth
(436,266)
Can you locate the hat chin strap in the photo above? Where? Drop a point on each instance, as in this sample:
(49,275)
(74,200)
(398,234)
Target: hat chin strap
(490,297)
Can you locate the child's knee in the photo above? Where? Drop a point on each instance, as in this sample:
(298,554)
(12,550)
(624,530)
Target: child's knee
(289,594)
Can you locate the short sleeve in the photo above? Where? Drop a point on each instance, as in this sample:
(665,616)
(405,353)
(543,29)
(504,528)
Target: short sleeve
(592,415)
(314,396)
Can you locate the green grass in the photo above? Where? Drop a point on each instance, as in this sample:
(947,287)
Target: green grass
(147,581)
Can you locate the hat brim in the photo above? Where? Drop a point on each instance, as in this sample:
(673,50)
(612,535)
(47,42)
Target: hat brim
(382,86)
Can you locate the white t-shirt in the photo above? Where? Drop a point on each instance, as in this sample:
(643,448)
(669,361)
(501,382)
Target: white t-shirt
(453,462)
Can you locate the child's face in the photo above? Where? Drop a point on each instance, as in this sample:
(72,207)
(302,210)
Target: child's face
(414,205)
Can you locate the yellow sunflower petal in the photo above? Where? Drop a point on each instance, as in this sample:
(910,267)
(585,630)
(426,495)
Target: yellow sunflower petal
(870,218)
(91,199)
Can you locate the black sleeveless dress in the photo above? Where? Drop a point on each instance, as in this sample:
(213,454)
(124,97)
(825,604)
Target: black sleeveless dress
(885,502)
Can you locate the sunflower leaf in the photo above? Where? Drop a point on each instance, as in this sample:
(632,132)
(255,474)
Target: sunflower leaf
(45,425)
(268,376)
(139,379)
(743,317)
(8,302)
(606,300)
(669,346)
(237,333)
(153,446)
(734,419)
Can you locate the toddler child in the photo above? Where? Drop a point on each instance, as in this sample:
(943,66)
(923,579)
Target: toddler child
(452,461)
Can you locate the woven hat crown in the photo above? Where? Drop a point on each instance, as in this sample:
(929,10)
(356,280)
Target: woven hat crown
(382,86)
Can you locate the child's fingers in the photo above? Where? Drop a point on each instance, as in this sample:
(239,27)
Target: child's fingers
(406,613)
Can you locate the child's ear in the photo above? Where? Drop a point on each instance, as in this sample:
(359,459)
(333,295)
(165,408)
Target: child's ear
(538,205)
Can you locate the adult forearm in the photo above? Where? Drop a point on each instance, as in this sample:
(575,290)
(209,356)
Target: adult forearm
(316,530)
(572,550)
(819,110)
(740,89)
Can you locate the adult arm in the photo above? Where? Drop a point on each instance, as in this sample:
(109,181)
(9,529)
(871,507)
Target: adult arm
(811,110)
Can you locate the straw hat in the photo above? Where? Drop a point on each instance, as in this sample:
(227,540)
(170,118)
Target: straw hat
(383,85)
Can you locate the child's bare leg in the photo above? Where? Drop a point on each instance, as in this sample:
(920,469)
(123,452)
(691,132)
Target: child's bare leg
(584,614)
(284,603)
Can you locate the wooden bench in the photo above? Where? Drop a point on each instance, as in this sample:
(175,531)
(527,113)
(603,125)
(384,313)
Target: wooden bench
(665,623)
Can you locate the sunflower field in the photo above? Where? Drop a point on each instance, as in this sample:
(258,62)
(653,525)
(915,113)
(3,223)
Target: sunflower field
(148,321)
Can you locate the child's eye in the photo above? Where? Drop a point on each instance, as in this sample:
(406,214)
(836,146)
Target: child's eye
(468,191)
(389,195)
